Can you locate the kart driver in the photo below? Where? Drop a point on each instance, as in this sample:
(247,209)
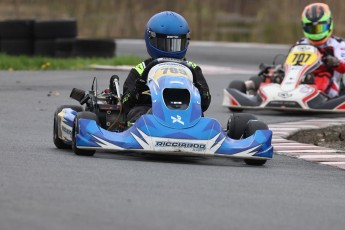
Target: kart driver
(167,35)
(317,25)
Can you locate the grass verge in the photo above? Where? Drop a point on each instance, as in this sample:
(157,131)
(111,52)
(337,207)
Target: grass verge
(10,62)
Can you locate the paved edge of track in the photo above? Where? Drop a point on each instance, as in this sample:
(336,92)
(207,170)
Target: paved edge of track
(308,152)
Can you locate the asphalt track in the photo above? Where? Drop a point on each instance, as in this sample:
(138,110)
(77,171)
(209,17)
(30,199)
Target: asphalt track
(45,188)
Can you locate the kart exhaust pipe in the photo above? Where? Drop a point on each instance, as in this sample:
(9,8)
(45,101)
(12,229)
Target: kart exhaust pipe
(79,95)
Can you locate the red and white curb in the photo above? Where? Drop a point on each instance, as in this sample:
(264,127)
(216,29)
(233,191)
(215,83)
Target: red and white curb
(309,152)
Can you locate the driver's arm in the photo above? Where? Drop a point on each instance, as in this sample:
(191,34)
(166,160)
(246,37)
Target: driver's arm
(201,84)
(128,97)
(130,91)
(339,53)
(341,67)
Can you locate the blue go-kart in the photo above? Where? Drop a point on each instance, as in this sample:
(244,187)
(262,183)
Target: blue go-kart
(174,125)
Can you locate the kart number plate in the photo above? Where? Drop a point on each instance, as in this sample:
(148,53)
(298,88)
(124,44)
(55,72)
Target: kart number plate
(301,58)
(170,69)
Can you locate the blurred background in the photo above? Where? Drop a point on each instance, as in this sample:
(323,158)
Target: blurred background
(262,21)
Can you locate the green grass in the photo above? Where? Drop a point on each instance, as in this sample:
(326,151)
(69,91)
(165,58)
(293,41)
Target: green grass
(9,62)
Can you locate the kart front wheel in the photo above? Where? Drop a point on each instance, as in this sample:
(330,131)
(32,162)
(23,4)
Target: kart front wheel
(237,124)
(250,129)
(57,141)
(75,131)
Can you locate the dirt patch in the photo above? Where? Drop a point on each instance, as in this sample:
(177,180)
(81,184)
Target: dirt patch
(331,137)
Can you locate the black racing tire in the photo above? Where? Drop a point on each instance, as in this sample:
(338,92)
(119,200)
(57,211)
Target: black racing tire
(64,47)
(75,130)
(16,29)
(250,129)
(237,124)
(239,85)
(57,141)
(17,46)
(236,110)
(94,48)
(52,29)
(44,47)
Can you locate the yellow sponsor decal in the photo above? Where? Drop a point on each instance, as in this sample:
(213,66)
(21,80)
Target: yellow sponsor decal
(191,64)
(301,58)
(140,68)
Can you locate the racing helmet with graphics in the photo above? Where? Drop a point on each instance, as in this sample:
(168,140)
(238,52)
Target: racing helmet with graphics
(317,23)
(167,35)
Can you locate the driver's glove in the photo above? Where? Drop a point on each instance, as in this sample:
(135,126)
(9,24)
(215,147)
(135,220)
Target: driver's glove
(330,61)
(141,89)
(140,85)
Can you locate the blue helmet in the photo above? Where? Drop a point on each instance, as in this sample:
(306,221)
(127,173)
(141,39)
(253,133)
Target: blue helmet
(167,35)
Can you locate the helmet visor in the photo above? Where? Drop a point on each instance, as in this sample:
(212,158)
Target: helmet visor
(169,43)
(319,28)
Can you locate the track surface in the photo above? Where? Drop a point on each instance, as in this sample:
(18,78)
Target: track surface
(45,188)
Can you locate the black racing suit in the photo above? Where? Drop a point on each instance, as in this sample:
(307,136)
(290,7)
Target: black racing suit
(137,102)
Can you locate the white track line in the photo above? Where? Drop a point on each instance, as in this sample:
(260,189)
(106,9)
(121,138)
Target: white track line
(309,151)
(294,125)
(300,146)
(283,129)
(333,163)
(295,144)
(330,156)
(280,133)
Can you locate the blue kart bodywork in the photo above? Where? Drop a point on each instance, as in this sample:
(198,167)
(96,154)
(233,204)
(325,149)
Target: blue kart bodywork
(206,138)
(175,127)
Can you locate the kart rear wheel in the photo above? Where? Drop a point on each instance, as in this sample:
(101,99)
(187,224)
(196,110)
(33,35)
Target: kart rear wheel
(57,141)
(75,131)
(239,85)
(237,124)
(257,81)
(250,129)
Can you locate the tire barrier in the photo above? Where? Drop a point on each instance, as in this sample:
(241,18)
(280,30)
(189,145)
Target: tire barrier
(44,47)
(16,29)
(17,46)
(55,29)
(47,32)
(64,47)
(53,38)
(16,37)
(94,48)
